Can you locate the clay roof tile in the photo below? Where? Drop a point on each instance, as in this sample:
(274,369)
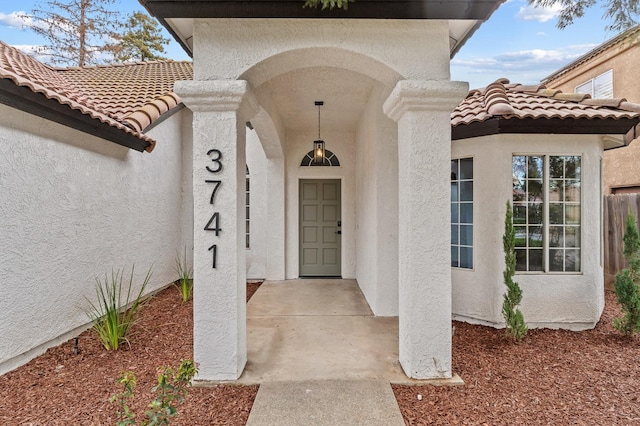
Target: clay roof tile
(109,93)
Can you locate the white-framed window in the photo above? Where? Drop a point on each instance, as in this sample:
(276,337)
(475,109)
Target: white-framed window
(247,239)
(599,87)
(547,212)
(462,213)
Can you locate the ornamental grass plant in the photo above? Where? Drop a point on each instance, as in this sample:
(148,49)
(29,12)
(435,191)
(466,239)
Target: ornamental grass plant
(116,310)
(185,276)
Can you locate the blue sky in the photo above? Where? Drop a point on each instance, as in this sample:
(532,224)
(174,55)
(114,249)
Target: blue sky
(518,42)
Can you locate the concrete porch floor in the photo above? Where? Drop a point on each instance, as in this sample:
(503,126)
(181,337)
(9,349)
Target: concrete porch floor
(320,329)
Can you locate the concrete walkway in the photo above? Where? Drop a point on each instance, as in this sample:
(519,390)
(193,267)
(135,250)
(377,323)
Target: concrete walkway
(321,357)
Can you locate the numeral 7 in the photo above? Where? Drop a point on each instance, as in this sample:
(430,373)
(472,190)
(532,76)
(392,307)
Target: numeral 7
(217,184)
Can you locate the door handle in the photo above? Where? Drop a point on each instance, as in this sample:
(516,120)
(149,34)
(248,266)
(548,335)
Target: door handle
(338,232)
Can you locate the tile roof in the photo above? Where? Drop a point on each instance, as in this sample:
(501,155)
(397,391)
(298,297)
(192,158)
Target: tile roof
(127,97)
(517,102)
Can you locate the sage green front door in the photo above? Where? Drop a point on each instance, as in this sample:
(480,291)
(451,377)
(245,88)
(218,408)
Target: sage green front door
(320,228)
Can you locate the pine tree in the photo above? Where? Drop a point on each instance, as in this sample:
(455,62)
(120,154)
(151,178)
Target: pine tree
(142,40)
(627,283)
(78,32)
(516,328)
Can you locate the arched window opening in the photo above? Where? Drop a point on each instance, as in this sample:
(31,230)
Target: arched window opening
(330,159)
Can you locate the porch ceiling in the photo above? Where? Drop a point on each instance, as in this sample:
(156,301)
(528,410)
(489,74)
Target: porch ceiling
(345,93)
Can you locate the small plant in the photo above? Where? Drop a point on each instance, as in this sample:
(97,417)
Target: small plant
(170,390)
(516,328)
(340,4)
(112,316)
(185,277)
(628,281)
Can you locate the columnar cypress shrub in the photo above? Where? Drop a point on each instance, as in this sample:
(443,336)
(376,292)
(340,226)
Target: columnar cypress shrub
(627,283)
(516,328)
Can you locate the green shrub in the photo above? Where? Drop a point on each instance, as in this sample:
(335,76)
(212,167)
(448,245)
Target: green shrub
(516,328)
(170,391)
(627,281)
(113,317)
(185,277)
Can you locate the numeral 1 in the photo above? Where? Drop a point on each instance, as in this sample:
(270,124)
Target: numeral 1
(214,250)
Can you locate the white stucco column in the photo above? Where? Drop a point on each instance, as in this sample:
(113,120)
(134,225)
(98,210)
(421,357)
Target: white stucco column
(422,110)
(276,214)
(220,110)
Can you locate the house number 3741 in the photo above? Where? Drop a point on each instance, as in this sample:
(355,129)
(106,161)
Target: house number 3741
(213,225)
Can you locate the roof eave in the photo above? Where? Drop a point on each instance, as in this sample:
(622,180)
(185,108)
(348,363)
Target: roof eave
(360,9)
(501,125)
(26,100)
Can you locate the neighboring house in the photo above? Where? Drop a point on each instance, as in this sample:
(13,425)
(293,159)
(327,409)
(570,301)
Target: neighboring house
(609,71)
(382,209)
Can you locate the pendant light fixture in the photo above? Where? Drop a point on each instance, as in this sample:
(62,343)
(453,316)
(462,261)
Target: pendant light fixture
(318,145)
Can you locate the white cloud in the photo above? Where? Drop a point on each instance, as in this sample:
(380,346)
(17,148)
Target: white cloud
(540,14)
(17,20)
(541,33)
(523,66)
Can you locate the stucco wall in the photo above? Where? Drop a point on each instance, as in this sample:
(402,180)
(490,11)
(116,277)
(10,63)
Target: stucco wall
(256,253)
(620,166)
(342,144)
(377,207)
(573,301)
(247,42)
(73,207)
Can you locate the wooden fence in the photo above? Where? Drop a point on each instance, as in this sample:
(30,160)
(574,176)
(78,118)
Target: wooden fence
(616,208)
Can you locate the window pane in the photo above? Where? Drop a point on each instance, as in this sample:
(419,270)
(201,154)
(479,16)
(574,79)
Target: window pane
(572,236)
(454,191)
(466,213)
(454,169)
(521,260)
(466,191)
(454,213)
(466,257)
(466,235)
(572,260)
(572,190)
(534,167)
(535,214)
(534,190)
(519,214)
(536,260)
(454,235)
(454,256)
(556,167)
(572,167)
(572,214)
(466,168)
(519,167)
(556,236)
(556,216)
(535,236)
(556,190)
(556,258)
(521,236)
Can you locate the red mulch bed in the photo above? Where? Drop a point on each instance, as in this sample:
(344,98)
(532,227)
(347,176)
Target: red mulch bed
(553,377)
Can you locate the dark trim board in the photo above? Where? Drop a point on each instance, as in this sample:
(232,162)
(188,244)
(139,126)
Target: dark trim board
(24,99)
(360,9)
(565,126)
